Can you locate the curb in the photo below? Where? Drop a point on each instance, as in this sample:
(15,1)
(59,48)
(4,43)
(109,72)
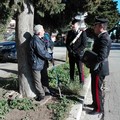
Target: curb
(76,110)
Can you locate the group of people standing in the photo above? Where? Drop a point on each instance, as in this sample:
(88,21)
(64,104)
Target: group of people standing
(76,41)
(76,45)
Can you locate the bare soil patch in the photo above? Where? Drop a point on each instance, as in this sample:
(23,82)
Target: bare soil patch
(41,113)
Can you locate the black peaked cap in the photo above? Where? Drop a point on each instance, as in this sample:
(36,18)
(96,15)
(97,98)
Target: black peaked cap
(101,20)
(74,21)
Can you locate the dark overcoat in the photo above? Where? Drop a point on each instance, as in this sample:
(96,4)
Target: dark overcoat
(76,49)
(101,46)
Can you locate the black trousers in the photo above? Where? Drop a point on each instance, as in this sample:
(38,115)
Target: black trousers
(97,91)
(72,61)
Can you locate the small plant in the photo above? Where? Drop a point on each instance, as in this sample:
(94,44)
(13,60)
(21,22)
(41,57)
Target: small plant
(61,75)
(60,108)
(4,108)
(20,104)
(72,88)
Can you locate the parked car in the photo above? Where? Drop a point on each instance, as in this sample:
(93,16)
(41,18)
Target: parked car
(8,51)
(60,41)
(115,33)
(9,36)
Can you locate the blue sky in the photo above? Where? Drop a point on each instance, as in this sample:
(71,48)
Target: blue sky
(118,4)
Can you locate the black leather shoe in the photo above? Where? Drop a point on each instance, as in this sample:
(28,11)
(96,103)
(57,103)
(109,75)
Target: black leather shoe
(47,93)
(94,112)
(89,105)
(39,98)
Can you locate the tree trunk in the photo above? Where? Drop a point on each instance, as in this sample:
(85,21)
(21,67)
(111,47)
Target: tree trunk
(24,31)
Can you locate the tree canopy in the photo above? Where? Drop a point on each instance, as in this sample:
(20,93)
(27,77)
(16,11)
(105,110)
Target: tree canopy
(57,14)
(108,9)
(8,8)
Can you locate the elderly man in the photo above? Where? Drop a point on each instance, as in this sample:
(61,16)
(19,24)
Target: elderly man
(38,55)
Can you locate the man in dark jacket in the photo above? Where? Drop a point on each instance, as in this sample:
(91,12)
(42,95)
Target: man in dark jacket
(38,55)
(101,47)
(76,48)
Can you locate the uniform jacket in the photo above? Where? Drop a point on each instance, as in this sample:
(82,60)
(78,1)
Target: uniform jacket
(78,47)
(102,46)
(38,53)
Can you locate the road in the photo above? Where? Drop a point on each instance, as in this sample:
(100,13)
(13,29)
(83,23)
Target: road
(7,68)
(59,53)
(112,89)
(112,96)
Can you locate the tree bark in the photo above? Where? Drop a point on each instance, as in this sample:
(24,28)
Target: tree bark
(24,31)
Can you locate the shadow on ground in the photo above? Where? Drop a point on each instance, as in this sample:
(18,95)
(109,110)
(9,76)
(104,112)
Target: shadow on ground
(9,71)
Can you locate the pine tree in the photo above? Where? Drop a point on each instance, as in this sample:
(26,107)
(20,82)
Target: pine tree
(108,9)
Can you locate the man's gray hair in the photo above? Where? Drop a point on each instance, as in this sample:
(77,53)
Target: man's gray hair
(38,28)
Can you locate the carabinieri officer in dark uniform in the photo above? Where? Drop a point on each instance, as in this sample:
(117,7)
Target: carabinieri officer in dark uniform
(76,48)
(101,47)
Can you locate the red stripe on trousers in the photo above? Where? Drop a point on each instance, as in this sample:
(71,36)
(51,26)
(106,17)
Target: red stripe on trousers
(97,93)
(83,73)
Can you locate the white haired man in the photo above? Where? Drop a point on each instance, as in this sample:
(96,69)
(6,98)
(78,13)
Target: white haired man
(38,55)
